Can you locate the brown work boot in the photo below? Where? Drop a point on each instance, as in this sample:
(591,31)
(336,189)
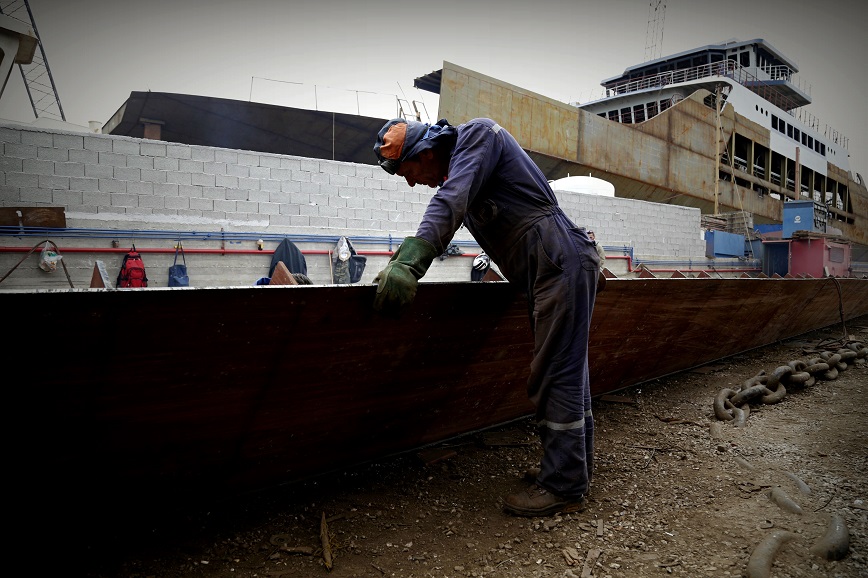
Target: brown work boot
(537,501)
(531,474)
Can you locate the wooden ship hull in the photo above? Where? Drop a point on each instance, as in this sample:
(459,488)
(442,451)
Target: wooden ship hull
(215,391)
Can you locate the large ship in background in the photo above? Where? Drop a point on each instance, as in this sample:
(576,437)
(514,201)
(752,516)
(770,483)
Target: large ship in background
(721,127)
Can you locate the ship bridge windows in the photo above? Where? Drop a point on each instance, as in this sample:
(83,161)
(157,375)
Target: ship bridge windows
(797,135)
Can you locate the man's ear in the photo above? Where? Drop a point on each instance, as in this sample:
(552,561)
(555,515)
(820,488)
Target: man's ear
(426,155)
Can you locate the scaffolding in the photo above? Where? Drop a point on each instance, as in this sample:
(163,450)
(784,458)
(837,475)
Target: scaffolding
(37,75)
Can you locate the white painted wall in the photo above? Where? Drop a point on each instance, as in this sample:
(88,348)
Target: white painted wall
(119,183)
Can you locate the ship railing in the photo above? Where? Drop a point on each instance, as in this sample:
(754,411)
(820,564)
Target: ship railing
(776,178)
(739,74)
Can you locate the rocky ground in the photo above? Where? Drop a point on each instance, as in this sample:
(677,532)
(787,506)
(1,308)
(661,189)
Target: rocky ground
(676,492)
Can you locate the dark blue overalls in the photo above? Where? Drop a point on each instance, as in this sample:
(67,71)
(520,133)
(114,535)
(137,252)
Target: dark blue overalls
(504,200)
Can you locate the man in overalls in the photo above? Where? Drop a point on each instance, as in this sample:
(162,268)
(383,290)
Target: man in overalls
(488,183)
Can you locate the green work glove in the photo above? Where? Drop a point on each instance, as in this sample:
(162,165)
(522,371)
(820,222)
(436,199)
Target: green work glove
(396,283)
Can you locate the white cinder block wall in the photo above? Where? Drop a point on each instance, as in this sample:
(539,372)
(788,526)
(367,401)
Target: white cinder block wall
(120,185)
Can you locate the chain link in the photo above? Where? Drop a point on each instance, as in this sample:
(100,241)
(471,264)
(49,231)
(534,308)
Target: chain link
(733,405)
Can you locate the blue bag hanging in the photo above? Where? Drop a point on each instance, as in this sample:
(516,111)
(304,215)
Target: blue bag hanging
(178,273)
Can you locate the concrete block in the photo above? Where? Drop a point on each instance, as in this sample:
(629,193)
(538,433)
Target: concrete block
(126,146)
(373,184)
(327,211)
(200,153)
(166,189)
(190,214)
(229,157)
(166,164)
(248,159)
(290,187)
(140,188)
(248,184)
(215,168)
(347,169)
(299,198)
(227,181)
(289,210)
(202,179)
(38,167)
(247,207)
(153,176)
(97,143)
(260,173)
(127,174)
(179,178)
(310,188)
(153,201)
(202,204)
(269,161)
(214,192)
(225,206)
(291,163)
(269,186)
(20,151)
(237,170)
(310,165)
(233,194)
(112,186)
(67,198)
(258,196)
(95,199)
(34,196)
(280,174)
(191,166)
(68,141)
(191,191)
(278,197)
(10,135)
(269,209)
(124,200)
(83,184)
(301,176)
(133,161)
(53,182)
(153,149)
(178,151)
(37,138)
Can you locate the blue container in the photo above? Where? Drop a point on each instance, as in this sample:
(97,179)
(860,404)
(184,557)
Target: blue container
(723,244)
(803,216)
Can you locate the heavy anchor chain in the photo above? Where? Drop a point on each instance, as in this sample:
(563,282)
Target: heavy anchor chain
(734,404)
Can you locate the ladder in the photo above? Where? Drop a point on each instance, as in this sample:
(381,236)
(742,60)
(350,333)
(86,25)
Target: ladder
(37,76)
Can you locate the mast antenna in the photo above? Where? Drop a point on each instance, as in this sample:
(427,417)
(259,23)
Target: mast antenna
(654,32)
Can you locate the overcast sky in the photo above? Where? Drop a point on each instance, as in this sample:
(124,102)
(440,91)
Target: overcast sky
(358,55)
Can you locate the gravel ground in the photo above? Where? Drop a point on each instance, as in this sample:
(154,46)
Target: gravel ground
(676,492)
